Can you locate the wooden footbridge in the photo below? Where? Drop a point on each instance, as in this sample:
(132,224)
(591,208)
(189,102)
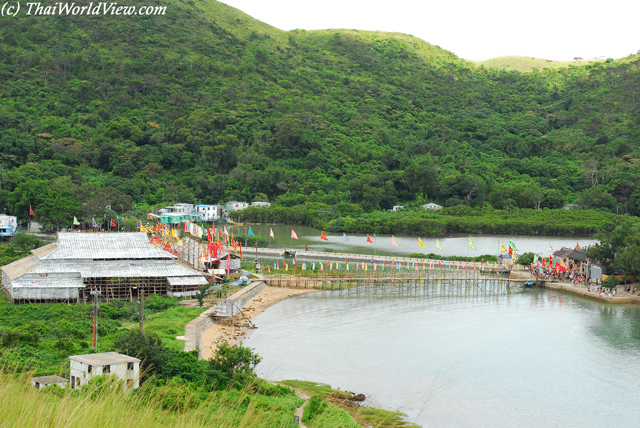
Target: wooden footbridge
(444,280)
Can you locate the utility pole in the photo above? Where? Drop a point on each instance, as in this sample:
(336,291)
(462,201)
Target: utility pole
(141,309)
(96,305)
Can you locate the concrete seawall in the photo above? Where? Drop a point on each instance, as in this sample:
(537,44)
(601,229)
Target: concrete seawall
(581,290)
(193,330)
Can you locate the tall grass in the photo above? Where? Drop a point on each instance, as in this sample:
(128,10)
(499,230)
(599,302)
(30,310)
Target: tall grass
(102,405)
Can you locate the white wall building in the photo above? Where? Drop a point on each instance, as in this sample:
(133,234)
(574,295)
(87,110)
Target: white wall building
(432,206)
(237,206)
(8,225)
(261,204)
(44,381)
(208,212)
(84,367)
(398,207)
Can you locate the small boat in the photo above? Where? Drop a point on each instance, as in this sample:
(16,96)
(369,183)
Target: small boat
(288,253)
(528,283)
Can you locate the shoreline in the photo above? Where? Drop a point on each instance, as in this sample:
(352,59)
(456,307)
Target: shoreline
(232,333)
(581,290)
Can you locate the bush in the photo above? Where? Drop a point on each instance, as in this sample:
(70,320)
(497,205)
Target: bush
(526,259)
(26,242)
(155,302)
(610,282)
(315,407)
(236,363)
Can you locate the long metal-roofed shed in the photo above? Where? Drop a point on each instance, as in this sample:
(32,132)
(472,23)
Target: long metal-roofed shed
(119,265)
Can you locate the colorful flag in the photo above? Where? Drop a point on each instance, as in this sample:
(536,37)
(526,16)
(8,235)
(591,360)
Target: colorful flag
(271,233)
(438,245)
(369,240)
(113,223)
(75,221)
(503,249)
(393,241)
(167,247)
(473,247)
(251,233)
(512,246)
(31,213)
(93,223)
(149,217)
(293,234)
(323,236)
(420,243)
(345,237)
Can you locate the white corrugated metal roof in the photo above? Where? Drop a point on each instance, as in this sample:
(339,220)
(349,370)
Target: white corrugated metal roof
(187,280)
(20,267)
(101,246)
(117,268)
(104,358)
(46,280)
(43,251)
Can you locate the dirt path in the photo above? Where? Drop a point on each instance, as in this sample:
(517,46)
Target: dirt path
(233,334)
(300,410)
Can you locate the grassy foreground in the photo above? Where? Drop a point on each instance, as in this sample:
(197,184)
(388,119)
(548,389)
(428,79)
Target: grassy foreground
(334,416)
(100,405)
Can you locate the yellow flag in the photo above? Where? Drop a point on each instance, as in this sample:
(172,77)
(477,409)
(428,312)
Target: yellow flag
(420,243)
(503,249)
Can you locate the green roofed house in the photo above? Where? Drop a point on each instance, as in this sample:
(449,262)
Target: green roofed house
(177,213)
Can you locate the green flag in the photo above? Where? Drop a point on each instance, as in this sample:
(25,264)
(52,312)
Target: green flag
(473,247)
(512,245)
(438,245)
(75,221)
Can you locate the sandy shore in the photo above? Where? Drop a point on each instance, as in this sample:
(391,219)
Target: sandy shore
(233,334)
(621,295)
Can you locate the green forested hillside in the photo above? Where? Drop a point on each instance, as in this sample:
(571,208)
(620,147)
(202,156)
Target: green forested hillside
(207,104)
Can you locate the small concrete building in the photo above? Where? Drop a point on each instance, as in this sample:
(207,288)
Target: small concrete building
(432,206)
(208,212)
(84,367)
(44,381)
(398,207)
(8,225)
(261,204)
(237,206)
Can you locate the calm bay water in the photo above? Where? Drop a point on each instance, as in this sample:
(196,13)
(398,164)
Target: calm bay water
(451,245)
(528,359)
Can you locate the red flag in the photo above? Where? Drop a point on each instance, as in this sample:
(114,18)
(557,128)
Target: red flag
(209,235)
(113,223)
(323,236)
(149,216)
(167,247)
(369,240)
(577,246)
(31,213)
(179,226)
